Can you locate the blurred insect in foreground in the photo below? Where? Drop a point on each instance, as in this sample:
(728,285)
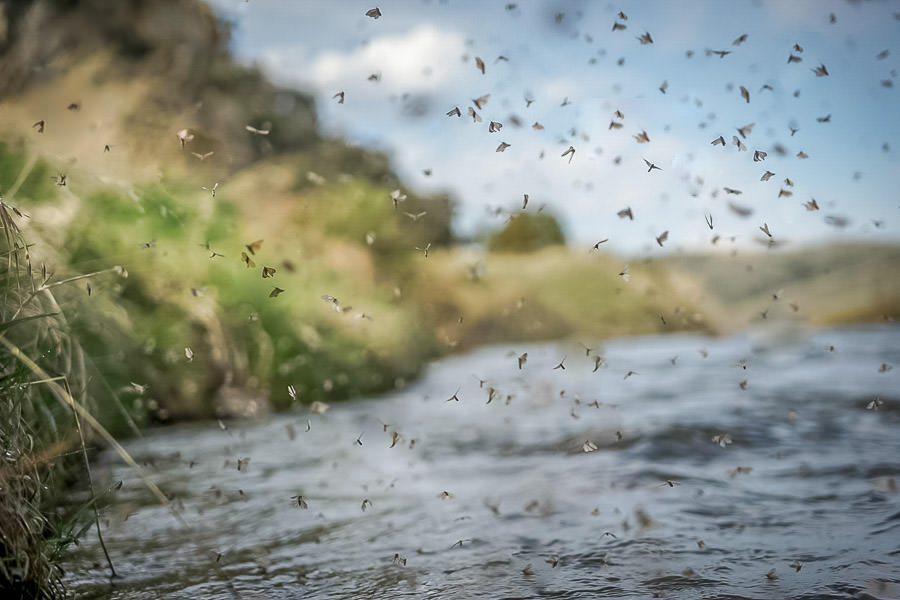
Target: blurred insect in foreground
(415,217)
(399,560)
(722,439)
(820,71)
(522,360)
(318,408)
(184,137)
(397,197)
(739,471)
(300,502)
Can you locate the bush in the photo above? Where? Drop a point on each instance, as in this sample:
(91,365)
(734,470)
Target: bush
(527,232)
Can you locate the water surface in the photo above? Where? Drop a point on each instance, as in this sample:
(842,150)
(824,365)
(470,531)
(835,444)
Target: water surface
(809,479)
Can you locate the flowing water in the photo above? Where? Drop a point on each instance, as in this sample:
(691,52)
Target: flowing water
(810,479)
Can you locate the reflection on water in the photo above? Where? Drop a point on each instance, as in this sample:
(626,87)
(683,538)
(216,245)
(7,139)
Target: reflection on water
(801,503)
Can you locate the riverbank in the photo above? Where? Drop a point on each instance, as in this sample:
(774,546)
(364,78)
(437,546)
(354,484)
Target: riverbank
(182,270)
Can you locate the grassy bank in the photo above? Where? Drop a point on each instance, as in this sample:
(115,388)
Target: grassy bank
(44,445)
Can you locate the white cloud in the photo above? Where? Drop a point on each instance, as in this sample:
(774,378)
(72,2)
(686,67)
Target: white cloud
(424,60)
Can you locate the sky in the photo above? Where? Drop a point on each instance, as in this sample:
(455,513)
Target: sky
(565,56)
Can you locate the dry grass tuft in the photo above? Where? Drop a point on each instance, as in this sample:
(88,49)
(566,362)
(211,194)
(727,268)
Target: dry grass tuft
(39,437)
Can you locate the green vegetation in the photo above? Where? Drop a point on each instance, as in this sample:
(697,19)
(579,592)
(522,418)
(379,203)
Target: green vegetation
(527,232)
(36,181)
(549,294)
(178,295)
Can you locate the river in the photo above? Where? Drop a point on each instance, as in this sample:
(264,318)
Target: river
(799,500)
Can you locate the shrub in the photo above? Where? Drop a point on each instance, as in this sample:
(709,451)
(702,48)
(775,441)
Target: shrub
(527,232)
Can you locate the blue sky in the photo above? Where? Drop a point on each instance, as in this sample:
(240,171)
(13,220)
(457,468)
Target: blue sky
(424,52)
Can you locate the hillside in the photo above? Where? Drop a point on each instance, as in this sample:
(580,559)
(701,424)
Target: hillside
(194,321)
(829,285)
